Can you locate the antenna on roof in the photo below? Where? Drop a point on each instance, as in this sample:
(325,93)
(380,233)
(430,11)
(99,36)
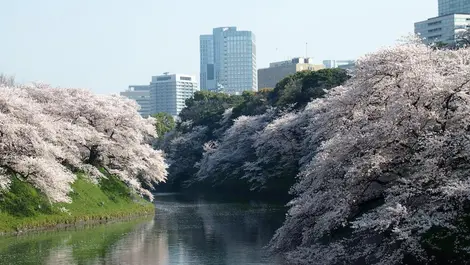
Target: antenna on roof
(306,50)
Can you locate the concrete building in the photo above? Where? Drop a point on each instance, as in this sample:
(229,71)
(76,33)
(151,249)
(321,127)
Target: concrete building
(269,77)
(442,29)
(450,7)
(141,94)
(228,61)
(338,63)
(168,92)
(454,17)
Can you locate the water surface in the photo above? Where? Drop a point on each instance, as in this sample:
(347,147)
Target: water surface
(183,231)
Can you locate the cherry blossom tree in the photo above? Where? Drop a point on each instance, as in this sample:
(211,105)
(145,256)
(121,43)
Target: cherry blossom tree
(183,152)
(278,152)
(223,161)
(48,134)
(387,168)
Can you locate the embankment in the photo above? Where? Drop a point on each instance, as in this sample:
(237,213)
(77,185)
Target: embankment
(24,208)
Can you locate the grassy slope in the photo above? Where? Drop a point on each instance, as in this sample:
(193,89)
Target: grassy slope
(23,207)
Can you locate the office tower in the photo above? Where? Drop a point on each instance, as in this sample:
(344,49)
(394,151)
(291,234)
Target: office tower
(228,61)
(269,77)
(444,29)
(453,19)
(168,92)
(141,94)
(207,74)
(450,7)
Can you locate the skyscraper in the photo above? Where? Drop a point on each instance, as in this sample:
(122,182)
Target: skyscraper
(228,61)
(450,7)
(207,74)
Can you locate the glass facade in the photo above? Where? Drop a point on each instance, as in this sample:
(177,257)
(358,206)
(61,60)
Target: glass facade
(229,64)
(449,7)
(207,77)
(442,29)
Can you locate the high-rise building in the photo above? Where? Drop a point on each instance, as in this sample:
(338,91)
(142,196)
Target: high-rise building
(228,61)
(443,29)
(454,17)
(450,7)
(207,73)
(168,92)
(141,94)
(165,93)
(269,77)
(338,63)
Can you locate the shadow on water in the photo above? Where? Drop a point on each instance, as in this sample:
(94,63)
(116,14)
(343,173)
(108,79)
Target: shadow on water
(184,231)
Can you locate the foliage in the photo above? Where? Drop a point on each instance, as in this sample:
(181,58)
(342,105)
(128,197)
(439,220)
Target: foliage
(278,152)
(223,161)
(300,88)
(225,141)
(164,123)
(254,103)
(48,133)
(23,200)
(206,108)
(183,152)
(390,165)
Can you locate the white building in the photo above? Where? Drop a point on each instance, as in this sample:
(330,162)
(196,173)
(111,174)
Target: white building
(442,29)
(141,94)
(168,92)
(339,63)
(228,61)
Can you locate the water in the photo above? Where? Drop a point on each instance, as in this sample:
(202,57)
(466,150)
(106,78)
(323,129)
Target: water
(183,231)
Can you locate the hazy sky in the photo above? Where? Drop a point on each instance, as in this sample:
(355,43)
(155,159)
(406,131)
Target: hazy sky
(106,45)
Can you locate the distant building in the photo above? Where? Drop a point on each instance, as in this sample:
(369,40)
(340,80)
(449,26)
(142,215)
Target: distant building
(207,70)
(454,17)
(168,92)
(269,77)
(228,61)
(346,64)
(442,29)
(450,7)
(141,94)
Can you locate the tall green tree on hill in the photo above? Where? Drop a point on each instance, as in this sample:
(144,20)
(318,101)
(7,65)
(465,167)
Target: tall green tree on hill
(300,88)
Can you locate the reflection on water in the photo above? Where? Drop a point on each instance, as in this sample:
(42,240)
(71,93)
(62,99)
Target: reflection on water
(182,232)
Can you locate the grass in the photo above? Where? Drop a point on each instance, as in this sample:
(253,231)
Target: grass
(24,208)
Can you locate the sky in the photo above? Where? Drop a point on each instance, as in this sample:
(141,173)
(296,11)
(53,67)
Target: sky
(107,45)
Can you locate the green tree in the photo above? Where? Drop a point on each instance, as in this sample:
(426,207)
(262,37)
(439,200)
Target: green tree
(253,103)
(164,123)
(206,108)
(300,88)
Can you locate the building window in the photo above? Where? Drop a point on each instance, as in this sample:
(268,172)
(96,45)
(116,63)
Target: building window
(163,78)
